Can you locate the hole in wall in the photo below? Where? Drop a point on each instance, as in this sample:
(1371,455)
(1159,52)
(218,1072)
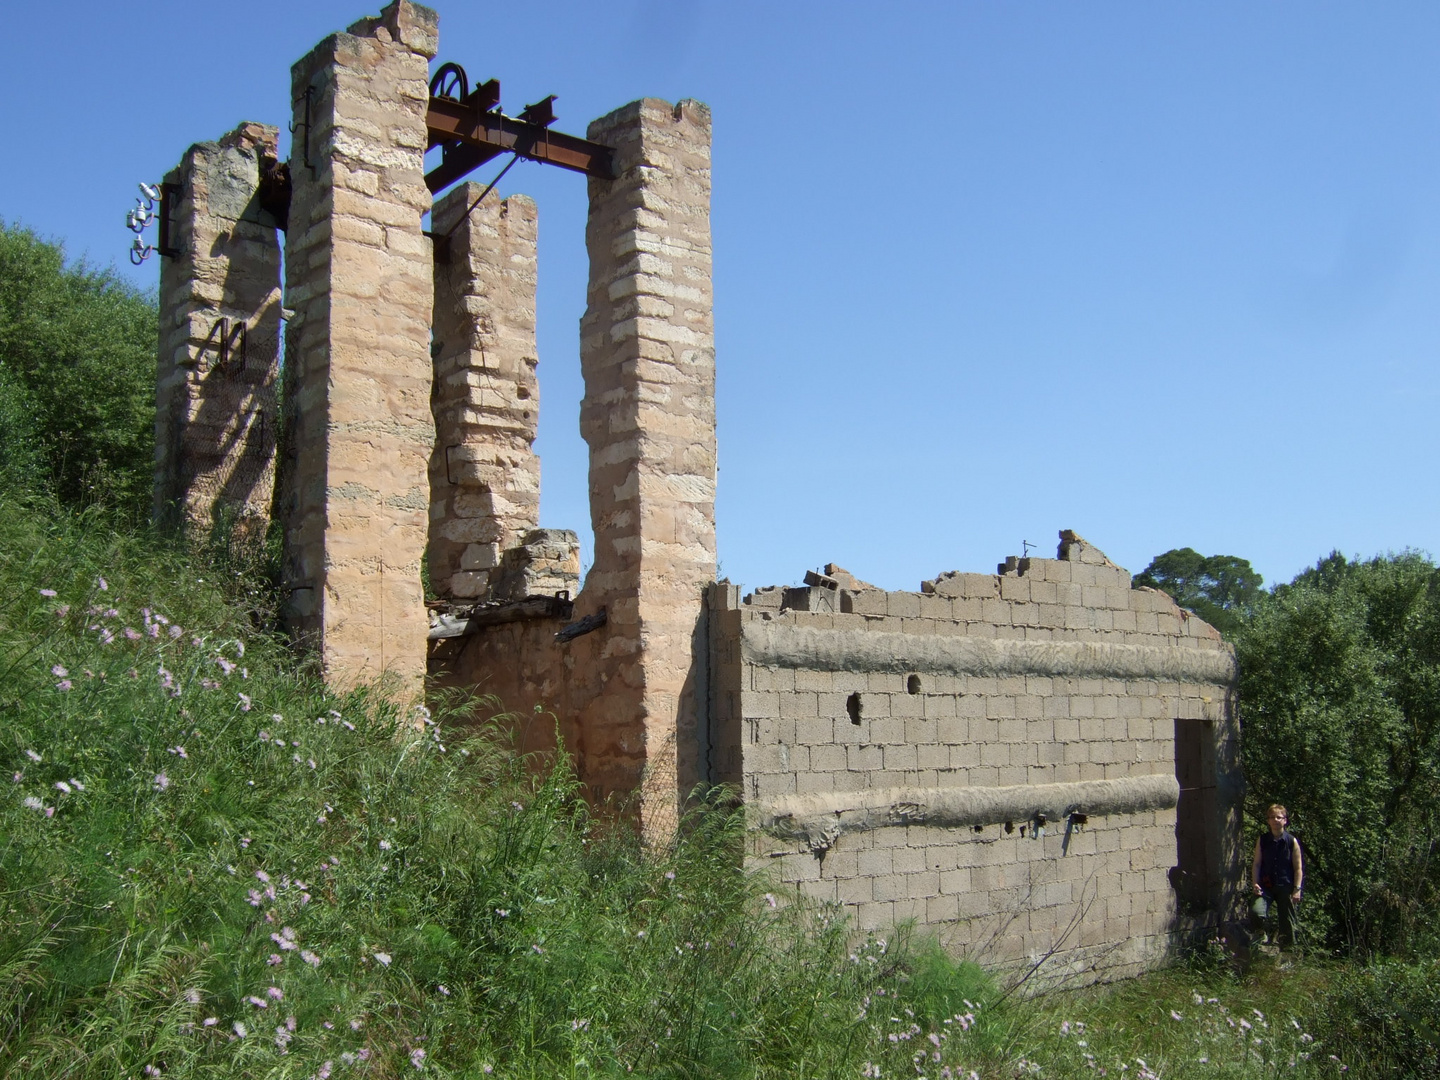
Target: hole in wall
(852,706)
(1009,827)
(912,684)
(977,828)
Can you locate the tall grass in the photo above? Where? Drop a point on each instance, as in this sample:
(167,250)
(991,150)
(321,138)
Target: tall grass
(211,867)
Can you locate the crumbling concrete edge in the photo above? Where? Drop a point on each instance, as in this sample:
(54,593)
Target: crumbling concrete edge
(817,821)
(774,644)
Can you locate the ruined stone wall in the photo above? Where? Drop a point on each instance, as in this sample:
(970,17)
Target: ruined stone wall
(632,693)
(994,756)
(484,474)
(355,494)
(215,416)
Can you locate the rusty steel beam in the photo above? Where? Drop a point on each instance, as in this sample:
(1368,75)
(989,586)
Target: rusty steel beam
(486,134)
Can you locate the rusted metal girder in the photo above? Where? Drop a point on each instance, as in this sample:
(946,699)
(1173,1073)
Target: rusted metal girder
(472,136)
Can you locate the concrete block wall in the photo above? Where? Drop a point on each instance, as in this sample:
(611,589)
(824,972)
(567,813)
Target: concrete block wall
(355,495)
(484,473)
(215,421)
(900,750)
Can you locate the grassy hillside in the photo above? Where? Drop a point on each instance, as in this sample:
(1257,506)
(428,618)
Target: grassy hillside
(211,868)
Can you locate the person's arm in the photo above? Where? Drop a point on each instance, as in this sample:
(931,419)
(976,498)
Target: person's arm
(1298,864)
(1255,868)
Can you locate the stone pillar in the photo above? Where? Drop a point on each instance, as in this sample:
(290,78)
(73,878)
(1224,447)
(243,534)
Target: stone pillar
(484,474)
(355,491)
(219,339)
(648,359)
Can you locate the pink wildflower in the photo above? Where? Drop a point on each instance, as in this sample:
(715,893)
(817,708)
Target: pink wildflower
(310,958)
(152,629)
(59,672)
(175,631)
(240,1030)
(323,1073)
(62,611)
(106,637)
(417,1058)
(63,685)
(225,665)
(104,585)
(384,959)
(209,684)
(244,702)
(62,786)
(48,593)
(210,1021)
(131,634)
(161,781)
(32,803)
(276,993)
(258,1002)
(275,959)
(33,756)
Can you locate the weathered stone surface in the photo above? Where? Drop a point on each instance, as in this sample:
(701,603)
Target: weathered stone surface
(647,354)
(486,399)
(359,433)
(215,416)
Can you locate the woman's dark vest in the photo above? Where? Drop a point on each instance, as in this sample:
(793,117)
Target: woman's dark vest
(1277,866)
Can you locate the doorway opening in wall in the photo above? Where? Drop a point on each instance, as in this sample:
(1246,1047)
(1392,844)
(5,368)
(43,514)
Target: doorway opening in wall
(852,706)
(912,684)
(1195,824)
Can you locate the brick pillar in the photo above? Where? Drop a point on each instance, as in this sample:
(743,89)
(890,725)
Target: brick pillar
(359,434)
(219,301)
(484,475)
(648,359)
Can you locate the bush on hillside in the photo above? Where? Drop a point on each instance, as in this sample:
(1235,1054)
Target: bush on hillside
(77,378)
(1340,710)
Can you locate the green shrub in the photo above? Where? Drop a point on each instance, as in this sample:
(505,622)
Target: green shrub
(1388,1017)
(1340,709)
(77,378)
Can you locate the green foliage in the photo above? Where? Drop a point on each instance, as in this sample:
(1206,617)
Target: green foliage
(1221,589)
(77,378)
(1387,1016)
(1340,708)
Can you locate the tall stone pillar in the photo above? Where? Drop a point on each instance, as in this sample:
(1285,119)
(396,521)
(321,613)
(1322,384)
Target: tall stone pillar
(219,339)
(484,474)
(648,358)
(355,492)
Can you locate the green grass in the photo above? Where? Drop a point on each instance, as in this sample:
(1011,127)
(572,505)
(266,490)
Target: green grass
(210,867)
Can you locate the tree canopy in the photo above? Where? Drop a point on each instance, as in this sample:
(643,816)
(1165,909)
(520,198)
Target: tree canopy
(1221,589)
(77,377)
(1340,712)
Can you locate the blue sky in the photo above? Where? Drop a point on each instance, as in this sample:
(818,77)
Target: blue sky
(1163,274)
